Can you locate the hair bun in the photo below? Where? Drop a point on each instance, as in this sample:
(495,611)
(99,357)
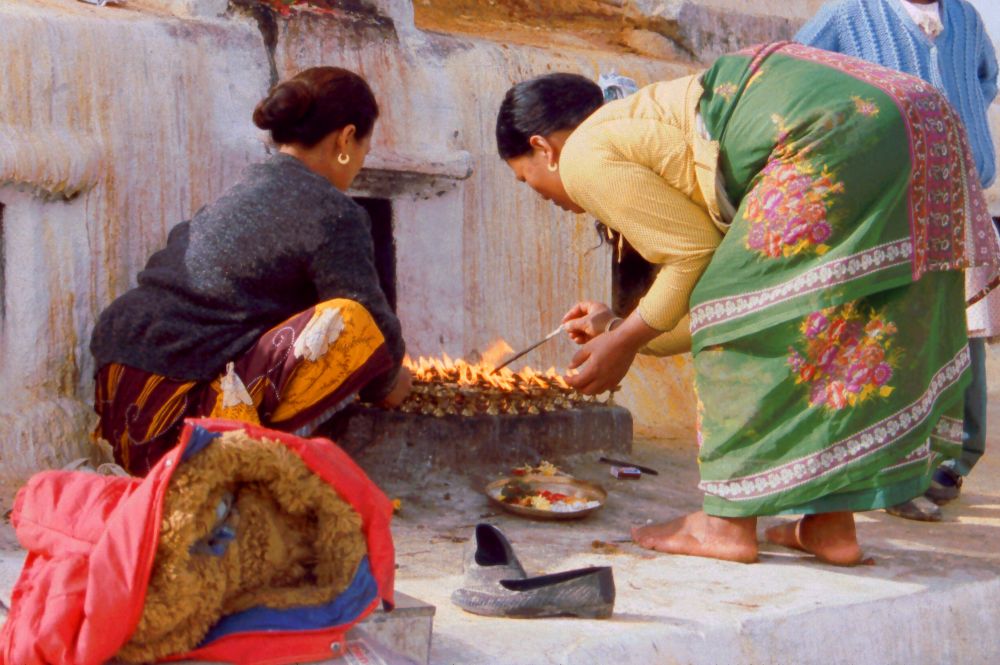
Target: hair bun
(286,104)
(314,103)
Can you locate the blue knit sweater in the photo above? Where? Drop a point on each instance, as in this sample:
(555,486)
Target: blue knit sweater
(960,62)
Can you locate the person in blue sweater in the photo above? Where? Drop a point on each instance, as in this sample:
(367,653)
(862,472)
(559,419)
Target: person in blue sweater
(945,43)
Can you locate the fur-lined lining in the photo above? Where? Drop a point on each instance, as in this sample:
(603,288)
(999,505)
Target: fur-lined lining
(297,543)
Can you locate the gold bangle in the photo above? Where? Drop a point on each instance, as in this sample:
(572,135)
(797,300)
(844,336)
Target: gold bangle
(613,323)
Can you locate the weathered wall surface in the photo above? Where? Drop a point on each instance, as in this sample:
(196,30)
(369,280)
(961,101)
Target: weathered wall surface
(993,193)
(118,122)
(490,259)
(114,125)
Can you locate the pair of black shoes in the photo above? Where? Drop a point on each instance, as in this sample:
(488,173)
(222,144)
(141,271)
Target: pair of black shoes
(496,585)
(946,486)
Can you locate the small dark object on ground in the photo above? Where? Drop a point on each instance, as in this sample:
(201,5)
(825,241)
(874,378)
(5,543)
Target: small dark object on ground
(618,462)
(605,547)
(626,472)
(449,539)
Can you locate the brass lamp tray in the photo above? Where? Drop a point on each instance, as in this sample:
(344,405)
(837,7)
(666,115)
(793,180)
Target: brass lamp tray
(558,484)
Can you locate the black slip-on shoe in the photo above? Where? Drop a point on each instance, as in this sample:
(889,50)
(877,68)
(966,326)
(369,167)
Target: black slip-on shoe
(919,508)
(945,486)
(491,560)
(587,593)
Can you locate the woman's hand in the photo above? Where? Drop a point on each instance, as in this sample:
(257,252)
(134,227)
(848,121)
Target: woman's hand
(400,390)
(587,320)
(605,359)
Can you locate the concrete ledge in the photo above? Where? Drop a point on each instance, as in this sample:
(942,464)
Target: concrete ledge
(393,175)
(680,610)
(185,8)
(53,161)
(390,443)
(932,597)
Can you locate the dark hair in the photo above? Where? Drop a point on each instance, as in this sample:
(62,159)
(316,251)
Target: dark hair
(315,102)
(542,106)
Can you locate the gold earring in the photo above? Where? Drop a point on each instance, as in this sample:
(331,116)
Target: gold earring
(343,158)
(553,167)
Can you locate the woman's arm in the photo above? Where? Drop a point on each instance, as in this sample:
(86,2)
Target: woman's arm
(344,267)
(663,224)
(822,31)
(628,194)
(671,342)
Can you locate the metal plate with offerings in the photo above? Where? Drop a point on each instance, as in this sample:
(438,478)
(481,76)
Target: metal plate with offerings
(547,497)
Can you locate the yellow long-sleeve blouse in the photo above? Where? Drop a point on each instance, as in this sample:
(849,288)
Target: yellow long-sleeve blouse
(642,166)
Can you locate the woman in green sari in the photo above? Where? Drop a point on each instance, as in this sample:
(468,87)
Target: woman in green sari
(810,216)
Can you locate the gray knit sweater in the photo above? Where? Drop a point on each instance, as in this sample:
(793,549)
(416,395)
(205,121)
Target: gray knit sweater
(280,241)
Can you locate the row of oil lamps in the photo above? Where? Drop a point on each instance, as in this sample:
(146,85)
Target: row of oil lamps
(441,399)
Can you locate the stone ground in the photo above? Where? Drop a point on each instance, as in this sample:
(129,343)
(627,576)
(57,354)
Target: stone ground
(932,596)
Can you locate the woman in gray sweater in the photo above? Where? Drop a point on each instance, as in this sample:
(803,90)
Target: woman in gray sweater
(266,305)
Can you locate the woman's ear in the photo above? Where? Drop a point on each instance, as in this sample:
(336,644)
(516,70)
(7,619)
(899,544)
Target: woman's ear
(346,137)
(541,144)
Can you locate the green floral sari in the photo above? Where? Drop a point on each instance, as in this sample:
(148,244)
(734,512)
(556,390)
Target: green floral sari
(829,329)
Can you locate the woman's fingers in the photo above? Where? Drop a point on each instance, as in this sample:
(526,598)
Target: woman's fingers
(584,308)
(589,380)
(602,363)
(593,386)
(581,357)
(576,312)
(578,330)
(587,389)
(400,389)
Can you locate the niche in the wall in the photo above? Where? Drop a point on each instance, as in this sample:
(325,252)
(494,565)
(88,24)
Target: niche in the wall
(380,212)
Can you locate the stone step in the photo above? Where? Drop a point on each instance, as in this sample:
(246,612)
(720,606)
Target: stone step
(387,444)
(405,632)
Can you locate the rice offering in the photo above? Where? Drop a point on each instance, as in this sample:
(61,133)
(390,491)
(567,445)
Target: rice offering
(520,493)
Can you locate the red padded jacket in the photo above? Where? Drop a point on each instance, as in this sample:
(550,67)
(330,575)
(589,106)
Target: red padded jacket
(91,541)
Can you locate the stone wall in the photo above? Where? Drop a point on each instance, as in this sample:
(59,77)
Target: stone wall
(116,124)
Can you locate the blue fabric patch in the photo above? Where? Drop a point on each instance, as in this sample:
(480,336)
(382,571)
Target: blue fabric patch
(216,543)
(200,438)
(344,608)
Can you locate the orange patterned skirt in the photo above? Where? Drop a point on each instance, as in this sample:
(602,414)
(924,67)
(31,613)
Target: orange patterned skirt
(297,375)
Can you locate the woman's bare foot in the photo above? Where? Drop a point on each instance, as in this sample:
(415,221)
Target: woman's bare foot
(698,534)
(830,537)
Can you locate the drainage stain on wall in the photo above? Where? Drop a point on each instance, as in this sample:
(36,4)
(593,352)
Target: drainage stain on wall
(3,271)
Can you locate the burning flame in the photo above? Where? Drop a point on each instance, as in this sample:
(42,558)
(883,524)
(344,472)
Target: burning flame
(448,387)
(483,373)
